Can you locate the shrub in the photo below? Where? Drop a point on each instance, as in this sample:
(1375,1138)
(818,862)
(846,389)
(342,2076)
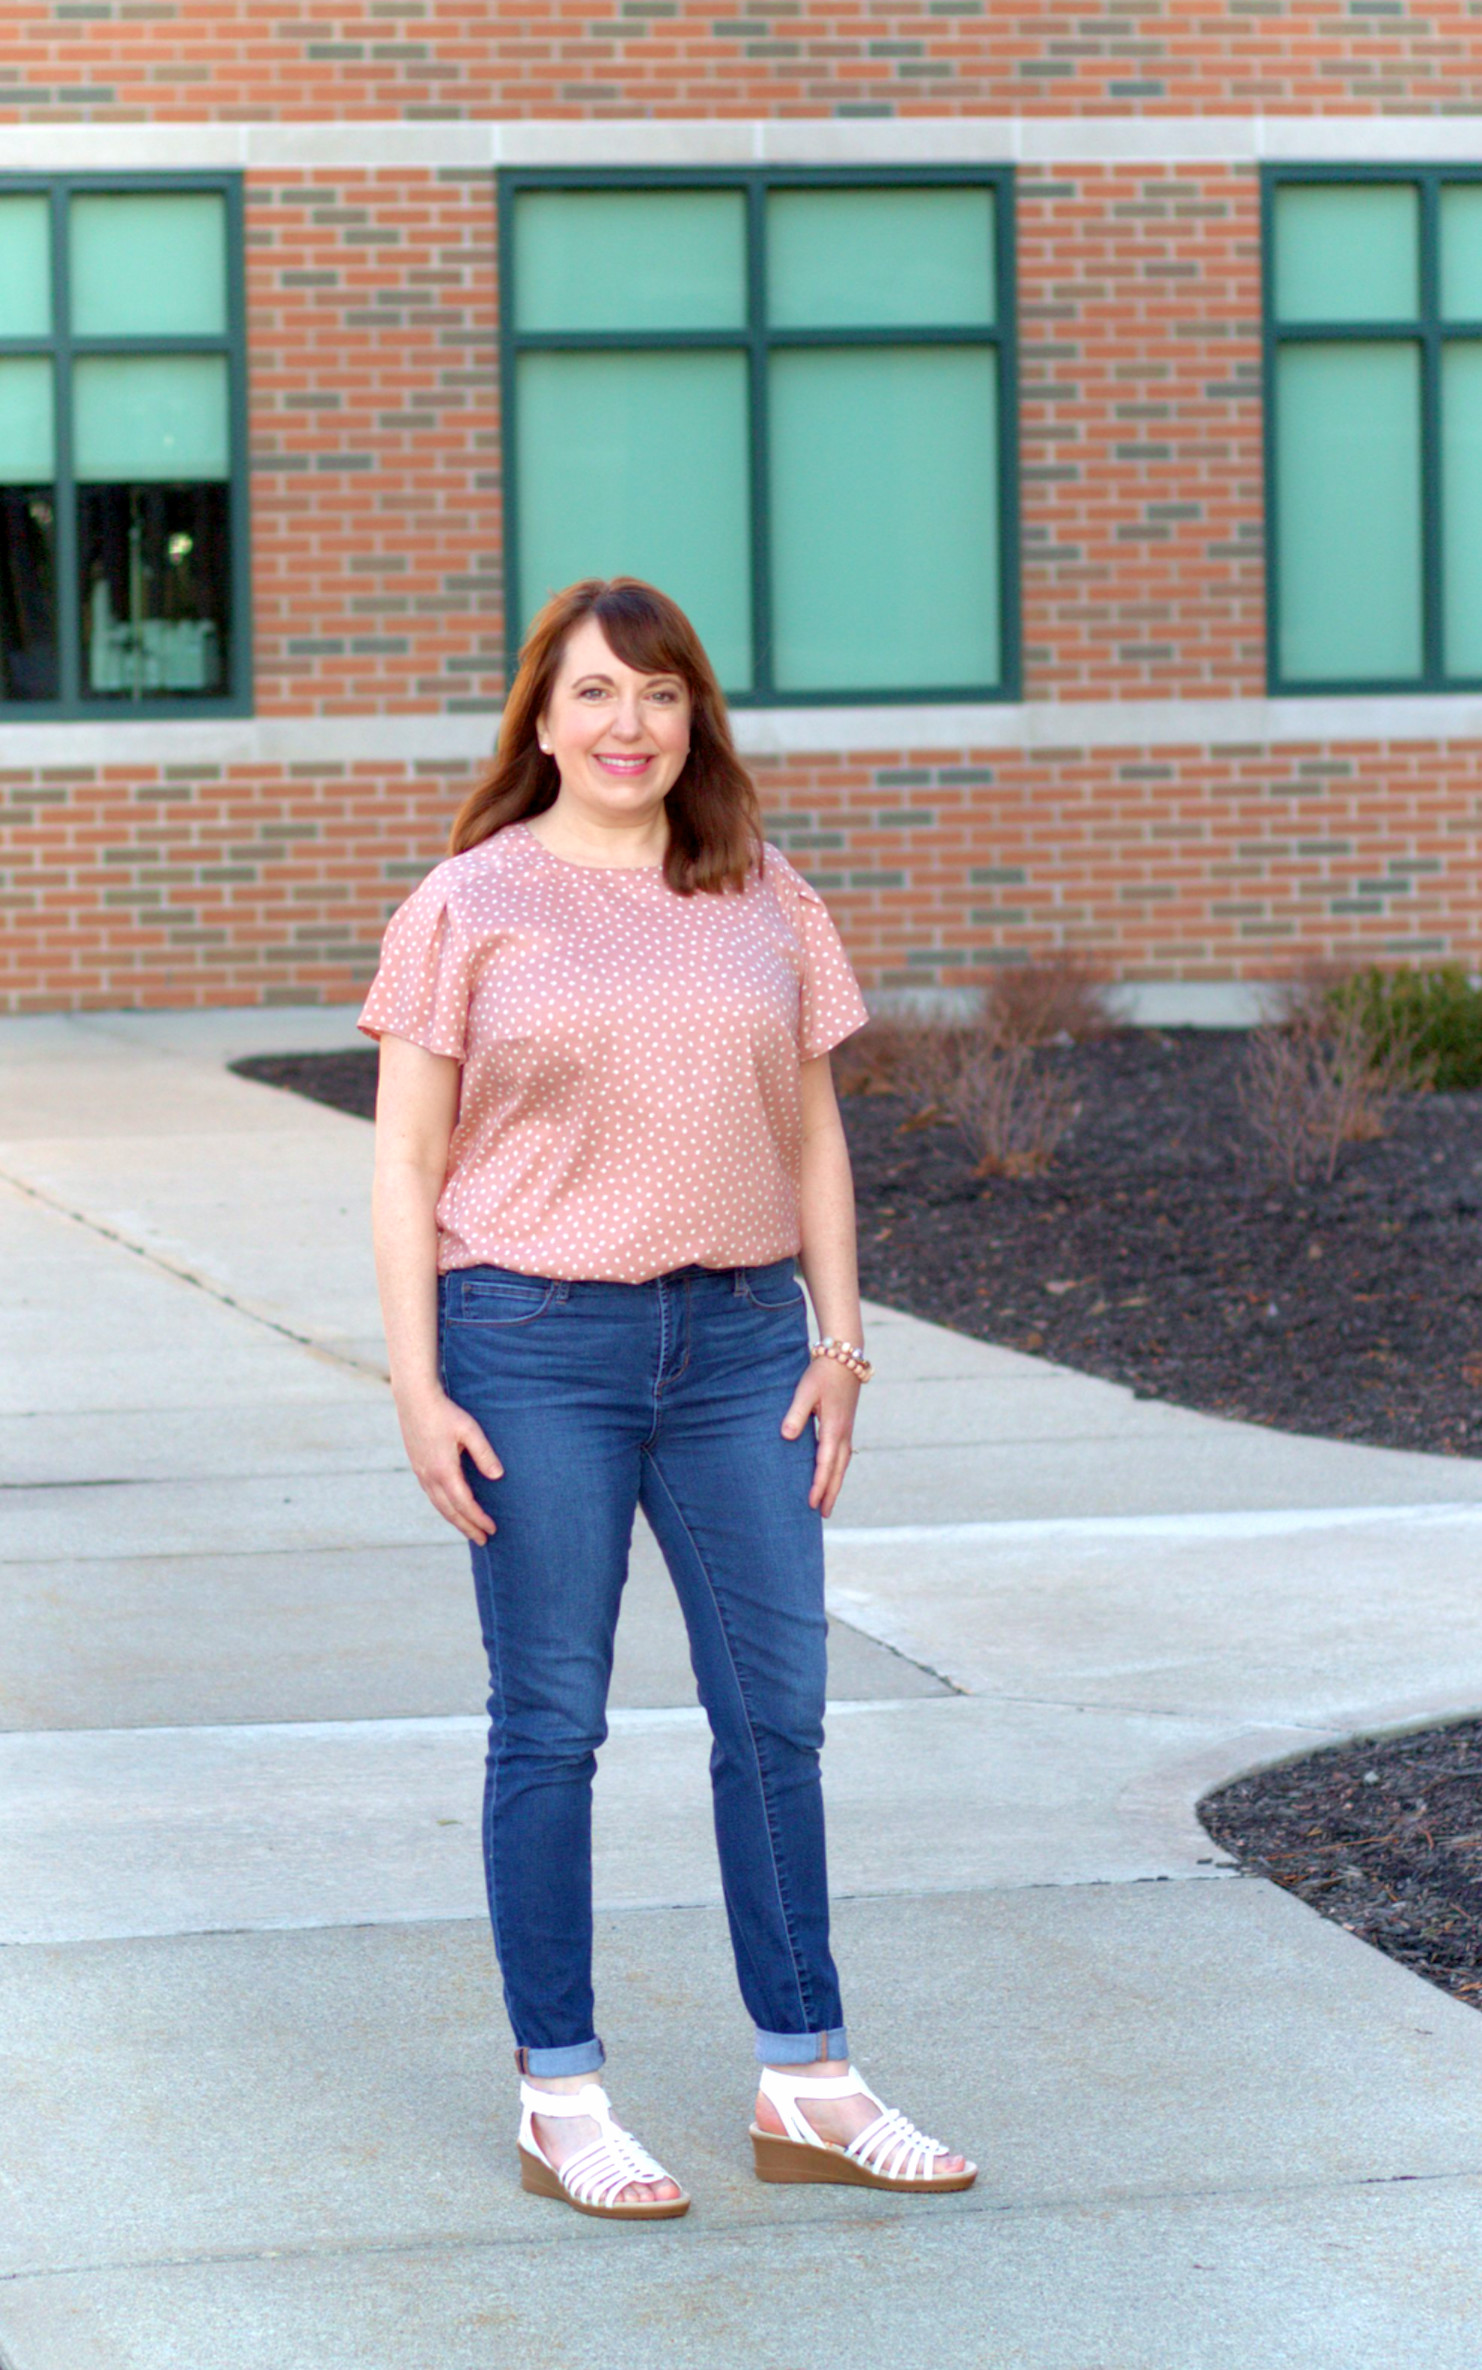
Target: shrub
(868,1062)
(916,1059)
(1320,1083)
(1435,1015)
(988,1076)
(928,1062)
(1040,1003)
(1010,1111)
(1303,998)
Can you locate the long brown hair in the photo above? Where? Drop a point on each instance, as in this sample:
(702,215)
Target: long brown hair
(715,835)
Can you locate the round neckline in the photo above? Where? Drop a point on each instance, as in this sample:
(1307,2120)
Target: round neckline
(600,871)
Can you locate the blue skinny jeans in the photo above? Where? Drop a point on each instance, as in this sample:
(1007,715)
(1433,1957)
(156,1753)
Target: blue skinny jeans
(599,1398)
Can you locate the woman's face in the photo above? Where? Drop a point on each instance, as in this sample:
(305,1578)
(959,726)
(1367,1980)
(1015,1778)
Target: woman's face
(619,738)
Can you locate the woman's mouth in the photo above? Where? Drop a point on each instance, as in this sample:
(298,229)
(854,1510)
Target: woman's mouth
(621,765)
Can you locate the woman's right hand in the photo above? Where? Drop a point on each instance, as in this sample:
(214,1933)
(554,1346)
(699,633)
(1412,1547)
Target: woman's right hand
(438,1435)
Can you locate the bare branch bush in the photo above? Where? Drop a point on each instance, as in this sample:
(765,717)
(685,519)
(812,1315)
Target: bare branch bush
(916,1059)
(1010,1111)
(1044,1002)
(867,1062)
(988,1077)
(1321,1082)
(1303,998)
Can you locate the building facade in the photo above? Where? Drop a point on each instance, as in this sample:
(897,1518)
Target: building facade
(1064,425)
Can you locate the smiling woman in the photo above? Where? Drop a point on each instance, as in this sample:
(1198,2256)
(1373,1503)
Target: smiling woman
(670,736)
(606,1128)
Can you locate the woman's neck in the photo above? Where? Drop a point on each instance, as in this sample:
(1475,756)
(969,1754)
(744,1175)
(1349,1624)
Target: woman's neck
(624,843)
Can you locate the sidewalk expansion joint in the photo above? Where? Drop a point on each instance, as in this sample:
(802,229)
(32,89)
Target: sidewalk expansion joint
(565,2231)
(183,1274)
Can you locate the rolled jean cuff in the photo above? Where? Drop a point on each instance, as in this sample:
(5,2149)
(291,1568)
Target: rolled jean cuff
(800,2049)
(583,2057)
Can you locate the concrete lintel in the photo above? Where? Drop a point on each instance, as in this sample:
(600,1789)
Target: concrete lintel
(978,726)
(472,142)
(253,740)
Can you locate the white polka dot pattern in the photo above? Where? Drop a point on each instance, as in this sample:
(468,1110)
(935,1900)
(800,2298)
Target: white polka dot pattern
(630,1098)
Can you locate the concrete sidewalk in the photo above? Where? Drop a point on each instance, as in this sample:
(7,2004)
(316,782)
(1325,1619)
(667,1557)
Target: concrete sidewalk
(256,2089)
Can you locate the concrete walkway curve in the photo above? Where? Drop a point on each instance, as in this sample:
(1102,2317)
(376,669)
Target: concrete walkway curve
(254,2079)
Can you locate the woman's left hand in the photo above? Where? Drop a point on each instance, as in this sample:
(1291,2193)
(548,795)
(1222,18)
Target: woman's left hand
(831,1393)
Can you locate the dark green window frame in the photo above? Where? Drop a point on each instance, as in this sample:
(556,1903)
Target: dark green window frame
(759,341)
(63,348)
(1431,334)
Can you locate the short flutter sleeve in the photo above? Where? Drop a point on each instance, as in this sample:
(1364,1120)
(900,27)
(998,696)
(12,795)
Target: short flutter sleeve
(832,1007)
(422,988)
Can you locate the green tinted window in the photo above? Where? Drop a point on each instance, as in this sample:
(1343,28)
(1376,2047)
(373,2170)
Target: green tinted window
(25,267)
(1461,252)
(850,258)
(780,400)
(148,266)
(27,442)
(122,573)
(630,259)
(1376,440)
(1461,495)
(1347,252)
(884,517)
(635,464)
(1348,511)
(150,418)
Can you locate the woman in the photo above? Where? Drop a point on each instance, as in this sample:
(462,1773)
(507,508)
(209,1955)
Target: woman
(605,1127)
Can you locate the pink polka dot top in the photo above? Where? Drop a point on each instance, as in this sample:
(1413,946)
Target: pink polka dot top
(630,1098)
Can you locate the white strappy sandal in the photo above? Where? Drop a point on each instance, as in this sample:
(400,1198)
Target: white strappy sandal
(889,2153)
(592,2180)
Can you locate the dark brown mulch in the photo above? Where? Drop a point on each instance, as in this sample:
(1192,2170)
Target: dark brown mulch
(1157,1252)
(1384,1835)
(346,1081)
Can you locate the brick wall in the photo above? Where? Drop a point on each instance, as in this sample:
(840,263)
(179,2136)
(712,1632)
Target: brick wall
(260,885)
(1140,432)
(178,59)
(1179,864)
(372,327)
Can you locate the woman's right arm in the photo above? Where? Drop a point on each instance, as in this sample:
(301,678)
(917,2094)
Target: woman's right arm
(416,1112)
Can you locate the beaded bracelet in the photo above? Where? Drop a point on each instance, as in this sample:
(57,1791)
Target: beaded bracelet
(846,1354)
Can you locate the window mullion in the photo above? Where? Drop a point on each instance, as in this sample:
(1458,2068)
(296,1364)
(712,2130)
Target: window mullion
(238,651)
(1006,330)
(64,525)
(1432,521)
(761,540)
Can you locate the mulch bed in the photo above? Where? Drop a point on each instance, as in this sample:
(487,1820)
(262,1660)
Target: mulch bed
(1383,1835)
(1157,1252)
(346,1081)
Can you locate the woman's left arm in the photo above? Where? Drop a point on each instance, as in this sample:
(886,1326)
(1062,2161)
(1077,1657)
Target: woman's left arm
(830,1268)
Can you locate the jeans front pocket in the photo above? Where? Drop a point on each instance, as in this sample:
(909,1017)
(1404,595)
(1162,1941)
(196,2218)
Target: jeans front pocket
(775,1288)
(500,1298)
